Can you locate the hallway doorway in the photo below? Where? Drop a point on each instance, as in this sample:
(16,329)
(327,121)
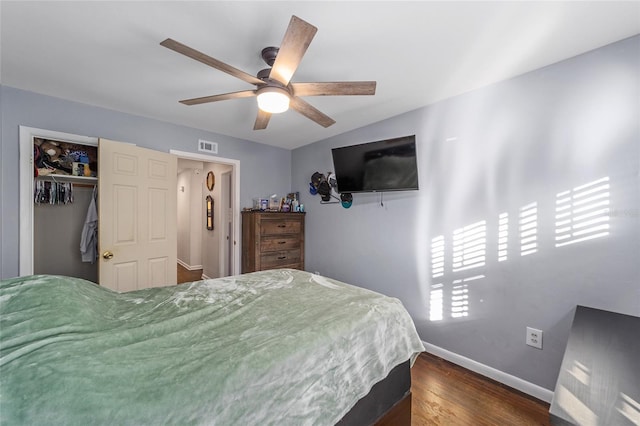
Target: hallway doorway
(211,253)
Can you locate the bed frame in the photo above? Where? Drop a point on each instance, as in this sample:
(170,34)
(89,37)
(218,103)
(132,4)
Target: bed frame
(388,403)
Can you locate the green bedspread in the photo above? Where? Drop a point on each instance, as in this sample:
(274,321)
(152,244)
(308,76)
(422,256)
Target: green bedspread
(279,347)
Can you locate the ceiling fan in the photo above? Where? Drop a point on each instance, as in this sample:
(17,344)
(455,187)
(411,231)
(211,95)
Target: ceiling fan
(274,90)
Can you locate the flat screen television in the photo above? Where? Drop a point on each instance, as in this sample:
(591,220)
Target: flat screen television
(385,165)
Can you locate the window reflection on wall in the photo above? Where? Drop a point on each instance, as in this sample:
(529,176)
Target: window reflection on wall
(436,302)
(460,296)
(529,229)
(437,256)
(503,237)
(436,294)
(470,246)
(581,214)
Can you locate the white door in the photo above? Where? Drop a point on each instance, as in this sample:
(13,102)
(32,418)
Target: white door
(226,209)
(137,208)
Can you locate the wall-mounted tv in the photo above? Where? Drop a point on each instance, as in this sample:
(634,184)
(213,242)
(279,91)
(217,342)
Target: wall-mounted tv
(385,165)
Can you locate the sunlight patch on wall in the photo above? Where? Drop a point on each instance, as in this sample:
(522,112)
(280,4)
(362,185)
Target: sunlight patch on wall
(459,299)
(580,214)
(437,256)
(580,372)
(630,408)
(436,295)
(436,303)
(583,213)
(460,296)
(574,407)
(470,246)
(503,236)
(529,229)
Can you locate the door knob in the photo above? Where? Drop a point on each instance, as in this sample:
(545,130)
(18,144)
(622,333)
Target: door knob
(107,255)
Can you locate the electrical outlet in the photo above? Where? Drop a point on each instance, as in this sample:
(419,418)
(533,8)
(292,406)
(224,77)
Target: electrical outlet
(534,337)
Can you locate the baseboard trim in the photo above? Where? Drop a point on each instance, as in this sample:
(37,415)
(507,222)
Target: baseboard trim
(189,267)
(507,379)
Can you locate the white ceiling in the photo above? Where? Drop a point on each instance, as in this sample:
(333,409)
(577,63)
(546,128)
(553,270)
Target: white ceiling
(108,54)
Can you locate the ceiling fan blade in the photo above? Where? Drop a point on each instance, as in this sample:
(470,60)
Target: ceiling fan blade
(309,111)
(336,88)
(293,47)
(262,120)
(222,97)
(208,60)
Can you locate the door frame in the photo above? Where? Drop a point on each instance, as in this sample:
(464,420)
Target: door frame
(26,186)
(226,210)
(235,190)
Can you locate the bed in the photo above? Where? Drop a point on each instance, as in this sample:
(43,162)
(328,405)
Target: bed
(281,347)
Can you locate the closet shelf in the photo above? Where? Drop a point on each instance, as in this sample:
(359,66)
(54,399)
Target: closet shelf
(68,178)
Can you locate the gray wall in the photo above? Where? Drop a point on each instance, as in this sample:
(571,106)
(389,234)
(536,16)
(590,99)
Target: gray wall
(480,154)
(191,222)
(58,229)
(264,170)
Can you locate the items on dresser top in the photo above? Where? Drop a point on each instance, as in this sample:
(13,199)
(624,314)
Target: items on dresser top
(290,203)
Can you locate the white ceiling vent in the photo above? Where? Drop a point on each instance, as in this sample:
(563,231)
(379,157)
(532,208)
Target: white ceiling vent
(207,146)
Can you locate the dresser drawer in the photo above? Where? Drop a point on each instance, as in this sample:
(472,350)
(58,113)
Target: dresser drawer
(298,266)
(279,242)
(283,226)
(279,258)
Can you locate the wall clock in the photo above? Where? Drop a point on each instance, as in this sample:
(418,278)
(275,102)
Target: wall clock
(211,181)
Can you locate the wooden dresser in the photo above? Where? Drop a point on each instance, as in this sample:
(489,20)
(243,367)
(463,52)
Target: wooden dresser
(272,240)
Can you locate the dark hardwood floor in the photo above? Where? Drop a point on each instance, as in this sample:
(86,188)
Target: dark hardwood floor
(447,394)
(186,276)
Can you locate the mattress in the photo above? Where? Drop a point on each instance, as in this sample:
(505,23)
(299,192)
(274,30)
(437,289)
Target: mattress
(271,347)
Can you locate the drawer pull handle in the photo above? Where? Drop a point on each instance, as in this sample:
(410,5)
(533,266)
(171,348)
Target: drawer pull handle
(282,225)
(282,257)
(282,242)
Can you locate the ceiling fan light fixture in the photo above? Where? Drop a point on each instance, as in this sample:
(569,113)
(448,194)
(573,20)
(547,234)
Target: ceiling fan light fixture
(273,99)
(274,89)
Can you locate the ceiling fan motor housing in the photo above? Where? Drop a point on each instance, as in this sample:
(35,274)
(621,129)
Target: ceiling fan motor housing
(264,74)
(269,55)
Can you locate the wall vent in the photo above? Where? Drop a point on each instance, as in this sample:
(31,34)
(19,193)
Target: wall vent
(207,146)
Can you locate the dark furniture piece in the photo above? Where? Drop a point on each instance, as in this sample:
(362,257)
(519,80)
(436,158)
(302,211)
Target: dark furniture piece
(272,240)
(388,403)
(599,380)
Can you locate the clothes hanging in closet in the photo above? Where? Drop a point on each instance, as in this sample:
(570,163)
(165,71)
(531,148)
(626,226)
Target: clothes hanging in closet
(89,239)
(46,192)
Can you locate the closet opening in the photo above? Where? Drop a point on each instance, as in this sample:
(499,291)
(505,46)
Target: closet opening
(58,179)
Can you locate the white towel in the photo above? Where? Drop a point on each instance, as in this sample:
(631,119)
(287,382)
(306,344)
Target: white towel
(89,239)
